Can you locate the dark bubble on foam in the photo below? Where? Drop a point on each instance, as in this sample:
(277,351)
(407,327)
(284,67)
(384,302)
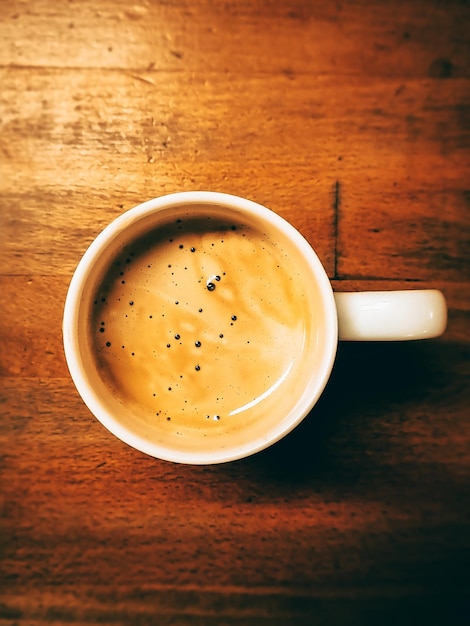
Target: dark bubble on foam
(210,284)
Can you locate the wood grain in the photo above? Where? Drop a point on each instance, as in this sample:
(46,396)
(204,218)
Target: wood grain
(351,120)
(349,38)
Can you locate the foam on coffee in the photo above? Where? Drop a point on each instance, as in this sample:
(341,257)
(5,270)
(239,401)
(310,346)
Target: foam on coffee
(200,325)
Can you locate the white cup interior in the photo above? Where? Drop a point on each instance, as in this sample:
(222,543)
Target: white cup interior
(289,407)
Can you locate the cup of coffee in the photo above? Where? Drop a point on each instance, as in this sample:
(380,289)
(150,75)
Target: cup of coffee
(201,328)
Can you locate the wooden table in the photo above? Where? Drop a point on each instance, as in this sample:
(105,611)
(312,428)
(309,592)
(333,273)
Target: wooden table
(350,119)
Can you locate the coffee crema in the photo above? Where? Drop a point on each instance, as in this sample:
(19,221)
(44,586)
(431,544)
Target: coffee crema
(200,326)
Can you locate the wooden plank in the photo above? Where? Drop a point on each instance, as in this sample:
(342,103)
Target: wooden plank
(348,38)
(248,608)
(404,232)
(409,201)
(112,157)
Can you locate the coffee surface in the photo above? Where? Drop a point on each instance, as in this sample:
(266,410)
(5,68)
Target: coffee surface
(200,324)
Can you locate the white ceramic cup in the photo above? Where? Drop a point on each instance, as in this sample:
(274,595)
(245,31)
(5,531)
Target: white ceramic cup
(369,316)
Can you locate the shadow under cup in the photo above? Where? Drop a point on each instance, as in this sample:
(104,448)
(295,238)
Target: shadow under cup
(200,330)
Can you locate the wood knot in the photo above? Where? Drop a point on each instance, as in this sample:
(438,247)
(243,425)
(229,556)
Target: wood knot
(441,68)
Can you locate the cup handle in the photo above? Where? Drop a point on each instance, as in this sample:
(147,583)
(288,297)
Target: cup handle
(391,315)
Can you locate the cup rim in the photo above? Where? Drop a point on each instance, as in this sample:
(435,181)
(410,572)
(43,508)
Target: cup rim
(85,268)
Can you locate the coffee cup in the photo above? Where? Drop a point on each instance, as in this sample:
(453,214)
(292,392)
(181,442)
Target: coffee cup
(201,327)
